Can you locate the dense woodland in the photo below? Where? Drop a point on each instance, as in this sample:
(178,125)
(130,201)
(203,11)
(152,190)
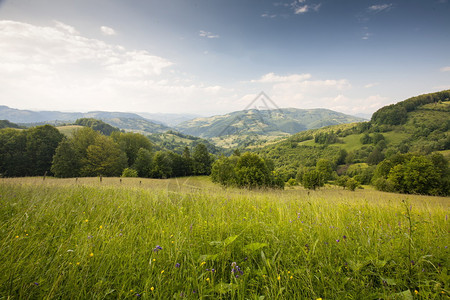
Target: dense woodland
(400,150)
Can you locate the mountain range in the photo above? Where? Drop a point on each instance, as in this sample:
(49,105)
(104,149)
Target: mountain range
(236,129)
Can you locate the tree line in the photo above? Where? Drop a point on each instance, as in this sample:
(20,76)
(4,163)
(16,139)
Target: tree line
(44,150)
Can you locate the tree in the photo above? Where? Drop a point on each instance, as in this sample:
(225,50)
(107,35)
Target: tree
(222,170)
(251,171)
(161,165)
(14,160)
(104,158)
(130,143)
(42,142)
(201,160)
(66,161)
(188,163)
(325,167)
(313,179)
(144,163)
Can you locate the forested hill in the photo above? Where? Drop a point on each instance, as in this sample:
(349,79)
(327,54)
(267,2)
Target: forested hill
(243,128)
(419,126)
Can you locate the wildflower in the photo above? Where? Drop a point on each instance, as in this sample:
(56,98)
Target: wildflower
(162,271)
(207,279)
(416,292)
(152,289)
(17,236)
(291,277)
(131,291)
(344,237)
(202,264)
(36,283)
(177,265)
(101,227)
(91,255)
(157,248)
(138,295)
(337,241)
(279,277)
(154,259)
(86,220)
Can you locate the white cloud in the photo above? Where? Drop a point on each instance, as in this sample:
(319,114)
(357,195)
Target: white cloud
(302,90)
(107,30)
(380,7)
(300,8)
(445,69)
(273,78)
(370,85)
(208,34)
(57,68)
(270,16)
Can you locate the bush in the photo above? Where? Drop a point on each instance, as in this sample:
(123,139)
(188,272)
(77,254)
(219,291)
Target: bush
(128,172)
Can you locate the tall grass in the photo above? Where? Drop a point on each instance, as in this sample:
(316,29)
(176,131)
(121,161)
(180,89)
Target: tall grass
(79,239)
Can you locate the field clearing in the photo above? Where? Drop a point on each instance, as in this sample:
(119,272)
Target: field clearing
(188,238)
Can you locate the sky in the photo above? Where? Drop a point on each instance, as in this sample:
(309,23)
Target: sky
(215,56)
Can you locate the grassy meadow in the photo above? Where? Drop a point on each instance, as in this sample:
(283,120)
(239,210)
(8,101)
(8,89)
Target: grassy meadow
(191,239)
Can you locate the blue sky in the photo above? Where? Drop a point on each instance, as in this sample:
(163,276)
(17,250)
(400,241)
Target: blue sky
(214,56)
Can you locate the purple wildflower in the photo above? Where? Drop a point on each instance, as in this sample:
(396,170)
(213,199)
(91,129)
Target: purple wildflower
(337,241)
(36,283)
(177,265)
(157,248)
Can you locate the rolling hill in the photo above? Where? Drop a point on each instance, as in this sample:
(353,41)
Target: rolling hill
(418,125)
(244,128)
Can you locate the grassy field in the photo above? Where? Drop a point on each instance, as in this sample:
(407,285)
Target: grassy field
(190,239)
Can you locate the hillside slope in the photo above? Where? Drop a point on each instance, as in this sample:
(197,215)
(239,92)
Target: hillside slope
(242,128)
(424,128)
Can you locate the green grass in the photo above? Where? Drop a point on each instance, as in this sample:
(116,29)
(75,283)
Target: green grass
(80,239)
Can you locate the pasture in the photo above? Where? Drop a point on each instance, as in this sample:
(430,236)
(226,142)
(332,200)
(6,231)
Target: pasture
(191,239)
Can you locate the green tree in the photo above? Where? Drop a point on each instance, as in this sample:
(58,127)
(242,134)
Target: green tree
(223,172)
(66,162)
(104,158)
(313,179)
(130,143)
(144,163)
(201,160)
(188,162)
(14,160)
(252,171)
(325,166)
(161,165)
(42,142)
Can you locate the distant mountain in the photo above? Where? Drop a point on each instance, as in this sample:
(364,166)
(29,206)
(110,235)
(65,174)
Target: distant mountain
(126,121)
(239,129)
(168,119)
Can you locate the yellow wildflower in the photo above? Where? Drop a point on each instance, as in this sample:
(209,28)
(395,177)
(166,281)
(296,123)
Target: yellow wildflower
(152,289)
(202,264)
(416,292)
(162,271)
(279,277)
(17,236)
(91,255)
(101,227)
